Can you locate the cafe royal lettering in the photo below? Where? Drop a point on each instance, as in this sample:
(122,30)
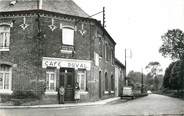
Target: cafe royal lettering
(72,64)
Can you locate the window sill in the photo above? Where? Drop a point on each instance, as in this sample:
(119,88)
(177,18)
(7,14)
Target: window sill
(66,51)
(112,91)
(4,49)
(83,92)
(7,92)
(51,92)
(106,92)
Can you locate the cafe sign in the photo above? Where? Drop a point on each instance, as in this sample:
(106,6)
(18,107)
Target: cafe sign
(67,63)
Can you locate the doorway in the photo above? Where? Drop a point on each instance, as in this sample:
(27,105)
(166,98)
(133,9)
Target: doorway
(67,81)
(100,92)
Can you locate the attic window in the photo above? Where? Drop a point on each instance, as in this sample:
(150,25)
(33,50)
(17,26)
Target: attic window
(12,2)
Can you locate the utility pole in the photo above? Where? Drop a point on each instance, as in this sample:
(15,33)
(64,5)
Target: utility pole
(39,44)
(125,69)
(103,11)
(142,82)
(103,17)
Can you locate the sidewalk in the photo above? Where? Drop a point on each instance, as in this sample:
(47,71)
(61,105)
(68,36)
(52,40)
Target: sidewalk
(100,102)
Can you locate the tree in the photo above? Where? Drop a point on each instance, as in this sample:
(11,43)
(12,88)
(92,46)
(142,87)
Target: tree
(154,73)
(134,79)
(176,78)
(167,76)
(173,44)
(149,81)
(173,47)
(154,68)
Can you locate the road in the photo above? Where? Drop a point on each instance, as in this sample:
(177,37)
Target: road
(150,105)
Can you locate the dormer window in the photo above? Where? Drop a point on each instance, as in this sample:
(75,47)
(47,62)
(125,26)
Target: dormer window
(4,37)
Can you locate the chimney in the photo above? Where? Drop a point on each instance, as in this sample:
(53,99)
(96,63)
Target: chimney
(12,2)
(40,4)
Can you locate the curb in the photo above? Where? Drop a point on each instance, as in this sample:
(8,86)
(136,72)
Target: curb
(101,102)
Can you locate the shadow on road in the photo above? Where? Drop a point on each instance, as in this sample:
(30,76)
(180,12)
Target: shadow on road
(120,101)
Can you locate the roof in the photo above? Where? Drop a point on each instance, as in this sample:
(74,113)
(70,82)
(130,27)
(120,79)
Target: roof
(117,62)
(104,31)
(67,7)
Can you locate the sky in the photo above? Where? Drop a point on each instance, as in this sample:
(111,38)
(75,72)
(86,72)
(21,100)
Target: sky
(137,25)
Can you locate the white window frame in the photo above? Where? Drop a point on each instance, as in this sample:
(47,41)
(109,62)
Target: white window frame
(9,90)
(70,37)
(96,58)
(79,80)
(7,34)
(51,72)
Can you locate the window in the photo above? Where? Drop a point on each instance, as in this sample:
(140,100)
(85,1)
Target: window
(81,79)
(50,79)
(100,46)
(5,78)
(112,83)
(106,52)
(112,56)
(68,36)
(4,37)
(106,82)
(96,58)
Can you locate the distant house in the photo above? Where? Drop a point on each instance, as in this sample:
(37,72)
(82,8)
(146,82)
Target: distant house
(46,44)
(119,77)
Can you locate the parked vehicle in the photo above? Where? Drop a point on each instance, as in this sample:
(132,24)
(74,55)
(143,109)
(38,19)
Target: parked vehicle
(149,92)
(127,92)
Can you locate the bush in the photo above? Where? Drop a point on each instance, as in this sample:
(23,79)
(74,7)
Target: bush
(137,95)
(5,98)
(24,95)
(172,93)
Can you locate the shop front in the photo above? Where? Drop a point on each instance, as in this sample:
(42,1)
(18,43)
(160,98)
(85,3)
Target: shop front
(65,73)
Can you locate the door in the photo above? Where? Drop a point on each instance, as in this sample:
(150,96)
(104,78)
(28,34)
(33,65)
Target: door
(67,80)
(100,92)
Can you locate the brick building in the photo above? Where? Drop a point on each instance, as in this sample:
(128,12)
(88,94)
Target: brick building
(47,44)
(119,77)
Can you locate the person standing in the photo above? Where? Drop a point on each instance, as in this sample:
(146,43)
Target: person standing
(77,92)
(61,93)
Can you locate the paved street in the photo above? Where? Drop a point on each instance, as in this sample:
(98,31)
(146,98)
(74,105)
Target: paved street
(152,104)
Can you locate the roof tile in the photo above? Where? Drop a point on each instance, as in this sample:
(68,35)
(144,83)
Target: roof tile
(59,6)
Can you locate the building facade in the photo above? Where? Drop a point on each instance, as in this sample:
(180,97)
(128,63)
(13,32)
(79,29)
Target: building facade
(119,77)
(48,44)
